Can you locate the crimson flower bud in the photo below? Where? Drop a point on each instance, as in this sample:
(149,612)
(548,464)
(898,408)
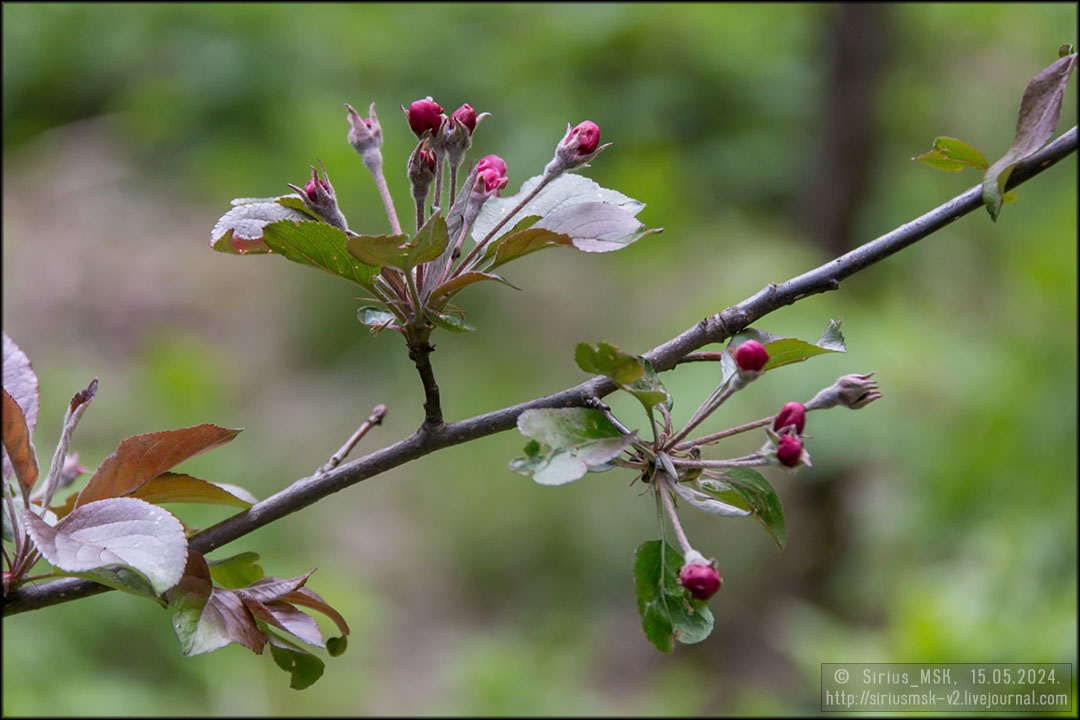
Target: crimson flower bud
(309,189)
(789,452)
(578,146)
(701,580)
(424,115)
(751,356)
(588,137)
(793,414)
(466,116)
(318,195)
(421,170)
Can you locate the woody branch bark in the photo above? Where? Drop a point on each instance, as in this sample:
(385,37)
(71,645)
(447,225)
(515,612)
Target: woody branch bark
(429,439)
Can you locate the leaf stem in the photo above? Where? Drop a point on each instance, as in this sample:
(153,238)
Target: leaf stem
(715,400)
(498,226)
(662,488)
(755,460)
(709,439)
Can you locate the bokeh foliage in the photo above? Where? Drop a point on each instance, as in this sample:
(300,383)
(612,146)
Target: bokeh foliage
(937,525)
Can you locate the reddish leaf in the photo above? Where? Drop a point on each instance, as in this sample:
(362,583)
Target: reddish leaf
(273,588)
(284,616)
(172,487)
(141,458)
(21,382)
(309,598)
(449,288)
(18,449)
(210,618)
(116,531)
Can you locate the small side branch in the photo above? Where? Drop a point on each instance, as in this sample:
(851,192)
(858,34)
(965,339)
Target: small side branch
(377,414)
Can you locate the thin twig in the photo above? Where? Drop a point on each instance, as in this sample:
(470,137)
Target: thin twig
(377,414)
(713,329)
(709,439)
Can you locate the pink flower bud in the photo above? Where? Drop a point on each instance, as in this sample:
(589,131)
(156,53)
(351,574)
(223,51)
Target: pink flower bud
(309,189)
(492,162)
(793,414)
(751,356)
(701,580)
(588,137)
(427,157)
(790,450)
(466,116)
(424,115)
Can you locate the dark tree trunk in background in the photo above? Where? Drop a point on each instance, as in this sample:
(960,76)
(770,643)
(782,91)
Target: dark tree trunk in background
(856,42)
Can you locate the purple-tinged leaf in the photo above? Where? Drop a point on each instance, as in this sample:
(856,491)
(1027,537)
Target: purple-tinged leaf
(179,488)
(117,531)
(240,231)
(309,598)
(22,384)
(451,287)
(595,226)
(140,458)
(285,617)
(210,618)
(1040,110)
(273,588)
(563,192)
(18,450)
(304,667)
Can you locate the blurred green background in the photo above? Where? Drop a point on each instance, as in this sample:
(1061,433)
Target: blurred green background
(939,524)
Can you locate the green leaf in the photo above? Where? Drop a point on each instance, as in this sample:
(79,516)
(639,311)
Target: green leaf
(783,351)
(759,495)
(241,231)
(448,321)
(632,373)
(304,667)
(566,443)
(179,488)
(522,242)
(292,200)
(380,250)
(376,318)
(237,571)
(319,245)
(430,241)
(668,611)
(564,191)
(952,155)
(1040,110)
(336,646)
(116,531)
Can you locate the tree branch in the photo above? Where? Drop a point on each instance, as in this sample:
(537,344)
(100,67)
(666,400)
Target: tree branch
(713,329)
